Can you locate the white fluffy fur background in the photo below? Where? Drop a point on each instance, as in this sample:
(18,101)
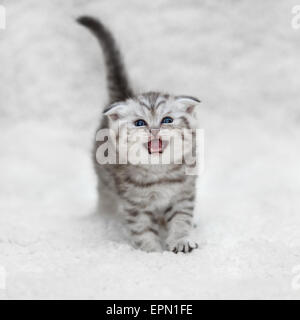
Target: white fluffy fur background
(241,58)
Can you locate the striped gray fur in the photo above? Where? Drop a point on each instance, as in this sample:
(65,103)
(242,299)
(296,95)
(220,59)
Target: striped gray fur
(118,85)
(149,198)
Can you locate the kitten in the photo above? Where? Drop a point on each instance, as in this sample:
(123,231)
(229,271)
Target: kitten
(150,197)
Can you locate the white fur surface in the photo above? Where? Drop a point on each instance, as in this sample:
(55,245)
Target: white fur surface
(241,58)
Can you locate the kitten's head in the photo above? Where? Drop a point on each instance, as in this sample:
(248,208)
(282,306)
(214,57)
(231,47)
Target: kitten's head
(153,121)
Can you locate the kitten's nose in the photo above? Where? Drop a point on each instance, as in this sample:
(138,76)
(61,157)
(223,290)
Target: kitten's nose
(154,132)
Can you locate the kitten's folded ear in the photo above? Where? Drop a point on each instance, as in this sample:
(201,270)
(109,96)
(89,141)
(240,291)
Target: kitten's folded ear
(115,111)
(188,102)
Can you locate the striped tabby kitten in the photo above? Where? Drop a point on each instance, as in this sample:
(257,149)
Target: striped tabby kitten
(153,199)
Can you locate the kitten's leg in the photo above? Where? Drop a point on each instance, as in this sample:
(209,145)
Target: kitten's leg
(179,220)
(142,228)
(107,202)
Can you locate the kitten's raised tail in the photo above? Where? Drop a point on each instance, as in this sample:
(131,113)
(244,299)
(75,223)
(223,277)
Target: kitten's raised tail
(117,81)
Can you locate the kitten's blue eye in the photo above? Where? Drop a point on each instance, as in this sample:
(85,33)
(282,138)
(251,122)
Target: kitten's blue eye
(167,120)
(140,123)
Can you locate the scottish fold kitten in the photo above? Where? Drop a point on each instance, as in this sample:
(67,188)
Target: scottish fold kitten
(155,196)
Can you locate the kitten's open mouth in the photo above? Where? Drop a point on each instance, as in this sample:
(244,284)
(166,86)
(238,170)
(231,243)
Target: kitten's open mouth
(156,145)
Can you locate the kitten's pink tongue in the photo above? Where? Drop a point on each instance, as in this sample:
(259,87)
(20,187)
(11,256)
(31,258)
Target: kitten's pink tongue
(155,145)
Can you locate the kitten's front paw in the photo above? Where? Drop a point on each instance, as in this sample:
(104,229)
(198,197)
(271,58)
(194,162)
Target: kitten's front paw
(182,245)
(148,246)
